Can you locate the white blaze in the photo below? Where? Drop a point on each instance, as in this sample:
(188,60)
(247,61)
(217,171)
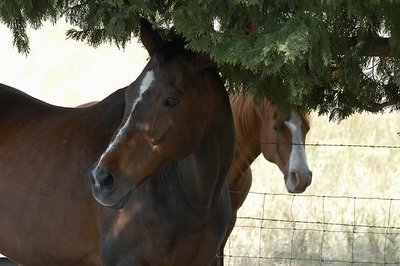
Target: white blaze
(144,86)
(298,159)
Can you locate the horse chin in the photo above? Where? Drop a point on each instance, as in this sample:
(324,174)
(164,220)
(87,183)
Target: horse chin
(112,201)
(124,200)
(295,191)
(120,204)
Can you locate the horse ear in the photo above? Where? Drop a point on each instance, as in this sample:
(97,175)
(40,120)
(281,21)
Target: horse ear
(150,38)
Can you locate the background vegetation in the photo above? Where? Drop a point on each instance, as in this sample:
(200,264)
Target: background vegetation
(334,57)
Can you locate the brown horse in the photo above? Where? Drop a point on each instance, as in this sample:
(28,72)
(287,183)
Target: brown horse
(263,129)
(166,166)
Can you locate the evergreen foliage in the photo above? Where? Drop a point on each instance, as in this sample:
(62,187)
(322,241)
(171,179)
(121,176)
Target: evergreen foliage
(333,56)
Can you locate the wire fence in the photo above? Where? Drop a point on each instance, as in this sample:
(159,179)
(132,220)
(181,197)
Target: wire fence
(379,239)
(330,145)
(312,229)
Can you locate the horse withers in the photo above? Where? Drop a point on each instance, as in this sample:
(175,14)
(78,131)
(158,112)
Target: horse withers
(158,150)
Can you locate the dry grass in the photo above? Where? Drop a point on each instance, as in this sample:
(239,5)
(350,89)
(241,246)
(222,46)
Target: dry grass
(67,73)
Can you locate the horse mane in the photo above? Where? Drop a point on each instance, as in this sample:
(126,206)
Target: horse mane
(245,115)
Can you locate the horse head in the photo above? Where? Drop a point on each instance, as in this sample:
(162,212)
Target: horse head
(167,110)
(282,141)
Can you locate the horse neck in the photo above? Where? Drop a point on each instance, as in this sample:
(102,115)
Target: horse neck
(247,125)
(204,171)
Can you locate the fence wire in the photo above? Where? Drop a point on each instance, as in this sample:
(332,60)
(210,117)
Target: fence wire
(383,235)
(325,145)
(292,236)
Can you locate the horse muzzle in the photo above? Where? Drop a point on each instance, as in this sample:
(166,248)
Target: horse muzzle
(298,181)
(108,190)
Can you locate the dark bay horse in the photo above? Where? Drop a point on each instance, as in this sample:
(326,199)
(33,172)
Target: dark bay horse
(263,129)
(158,150)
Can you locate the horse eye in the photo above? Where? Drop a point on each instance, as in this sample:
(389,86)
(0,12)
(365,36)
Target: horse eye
(171,102)
(277,129)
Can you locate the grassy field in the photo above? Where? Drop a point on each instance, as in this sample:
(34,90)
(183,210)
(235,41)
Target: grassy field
(335,223)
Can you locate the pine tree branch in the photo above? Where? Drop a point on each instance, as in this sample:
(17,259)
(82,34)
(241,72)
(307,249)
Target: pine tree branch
(376,47)
(380,106)
(63,12)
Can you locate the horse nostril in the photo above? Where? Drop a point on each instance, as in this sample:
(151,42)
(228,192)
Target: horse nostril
(107,181)
(294,178)
(103,179)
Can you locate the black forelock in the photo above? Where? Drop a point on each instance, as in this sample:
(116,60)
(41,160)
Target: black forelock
(175,44)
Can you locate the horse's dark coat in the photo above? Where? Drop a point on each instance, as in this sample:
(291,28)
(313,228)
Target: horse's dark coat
(177,216)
